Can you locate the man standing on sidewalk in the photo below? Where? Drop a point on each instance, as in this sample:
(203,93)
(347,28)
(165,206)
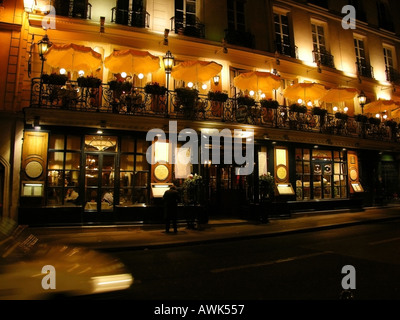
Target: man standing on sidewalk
(171,199)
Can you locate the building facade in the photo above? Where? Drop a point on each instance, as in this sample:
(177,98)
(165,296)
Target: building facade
(75,139)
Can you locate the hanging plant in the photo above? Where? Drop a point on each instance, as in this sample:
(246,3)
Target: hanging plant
(120,86)
(267,186)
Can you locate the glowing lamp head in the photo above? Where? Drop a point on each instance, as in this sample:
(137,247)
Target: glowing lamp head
(63,71)
(81,73)
(251,92)
(204,86)
(140,76)
(124,75)
(190,84)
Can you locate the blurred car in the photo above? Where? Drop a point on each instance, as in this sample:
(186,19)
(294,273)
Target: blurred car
(31,270)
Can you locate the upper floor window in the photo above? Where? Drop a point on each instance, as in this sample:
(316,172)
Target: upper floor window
(185,12)
(131,13)
(320,51)
(384,18)
(388,55)
(236,15)
(282,34)
(390,65)
(73,8)
(364,69)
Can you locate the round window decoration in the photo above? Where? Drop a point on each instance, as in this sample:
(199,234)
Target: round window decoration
(161,172)
(353,174)
(281,173)
(34,169)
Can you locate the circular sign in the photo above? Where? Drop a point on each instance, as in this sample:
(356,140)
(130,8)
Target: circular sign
(161,172)
(34,169)
(353,174)
(281,172)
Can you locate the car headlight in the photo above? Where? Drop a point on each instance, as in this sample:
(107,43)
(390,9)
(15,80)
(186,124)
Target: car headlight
(112,282)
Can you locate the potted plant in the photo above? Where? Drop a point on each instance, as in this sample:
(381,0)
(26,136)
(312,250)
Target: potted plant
(298,108)
(157,93)
(267,187)
(192,189)
(341,116)
(119,86)
(186,99)
(217,99)
(89,82)
(374,121)
(246,101)
(155,88)
(55,79)
(360,118)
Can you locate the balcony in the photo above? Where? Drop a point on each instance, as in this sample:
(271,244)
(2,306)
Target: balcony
(392,75)
(138,19)
(74,9)
(365,70)
(287,50)
(239,38)
(102,98)
(188,27)
(324,58)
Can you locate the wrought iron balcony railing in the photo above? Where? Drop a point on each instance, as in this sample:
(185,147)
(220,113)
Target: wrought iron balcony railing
(287,50)
(365,70)
(139,19)
(73,9)
(188,26)
(392,75)
(323,57)
(136,102)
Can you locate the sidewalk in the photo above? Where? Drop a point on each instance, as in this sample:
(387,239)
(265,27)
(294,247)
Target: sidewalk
(153,236)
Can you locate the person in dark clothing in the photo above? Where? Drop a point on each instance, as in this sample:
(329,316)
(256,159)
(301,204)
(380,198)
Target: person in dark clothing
(171,199)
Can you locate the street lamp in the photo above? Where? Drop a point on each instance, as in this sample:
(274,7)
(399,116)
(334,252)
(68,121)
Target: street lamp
(362,98)
(43,46)
(168,60)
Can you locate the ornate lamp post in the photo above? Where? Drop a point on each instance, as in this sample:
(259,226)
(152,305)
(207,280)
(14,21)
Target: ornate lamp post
(168,60)
(362,98)
(43,46)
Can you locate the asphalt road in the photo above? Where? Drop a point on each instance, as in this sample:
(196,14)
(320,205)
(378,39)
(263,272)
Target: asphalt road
(306,266)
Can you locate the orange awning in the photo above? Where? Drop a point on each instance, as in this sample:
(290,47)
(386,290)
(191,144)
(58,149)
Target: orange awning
(305,91)
(381,105)
(340,94)
(196,70)
(257,80)
(132,61)
(73,57)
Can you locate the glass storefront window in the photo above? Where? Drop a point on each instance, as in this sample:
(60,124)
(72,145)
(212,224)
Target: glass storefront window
(324,177)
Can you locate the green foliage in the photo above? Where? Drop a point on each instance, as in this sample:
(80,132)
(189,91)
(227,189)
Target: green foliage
(54,78)
(246,101)
(269,103)
(155,88)
(217,96)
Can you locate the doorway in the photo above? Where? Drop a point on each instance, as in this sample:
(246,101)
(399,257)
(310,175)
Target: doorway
(99,183)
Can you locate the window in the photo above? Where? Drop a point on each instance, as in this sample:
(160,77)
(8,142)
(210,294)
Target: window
(320,174)
(318,36)
(63,170)
(391,73)
(185,13)
(134,172)
(384,18)
(282,34)
(364,68)
(236,15)
(73,8)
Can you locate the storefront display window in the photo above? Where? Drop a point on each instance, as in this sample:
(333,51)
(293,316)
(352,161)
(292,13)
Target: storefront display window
(321,176)
(63,170)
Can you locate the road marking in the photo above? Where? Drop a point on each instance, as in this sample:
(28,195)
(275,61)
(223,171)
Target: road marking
(383,241)
(267,263)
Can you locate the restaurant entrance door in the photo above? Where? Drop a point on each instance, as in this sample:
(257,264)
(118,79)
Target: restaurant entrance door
(227,191)
(99,186)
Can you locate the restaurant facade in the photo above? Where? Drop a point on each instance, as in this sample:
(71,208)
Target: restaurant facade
(98,124)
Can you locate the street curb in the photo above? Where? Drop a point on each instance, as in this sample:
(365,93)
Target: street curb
(244,237)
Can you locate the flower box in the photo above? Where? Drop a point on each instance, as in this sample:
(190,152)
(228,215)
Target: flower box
(269,103)
(217,96)
(246,101)
(89,82)
(120,86)
(155,88)
(56,79)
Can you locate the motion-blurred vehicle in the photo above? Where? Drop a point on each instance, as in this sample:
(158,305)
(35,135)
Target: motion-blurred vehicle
(31,270)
